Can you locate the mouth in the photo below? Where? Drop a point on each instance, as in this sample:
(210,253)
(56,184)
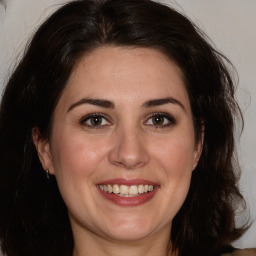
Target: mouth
(128,192)
(125,190)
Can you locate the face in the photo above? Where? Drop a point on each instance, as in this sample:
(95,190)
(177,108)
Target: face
(122,146)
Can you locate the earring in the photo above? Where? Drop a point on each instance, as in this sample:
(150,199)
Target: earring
(47,174)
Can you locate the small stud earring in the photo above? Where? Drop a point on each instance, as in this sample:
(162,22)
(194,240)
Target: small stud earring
(47,174)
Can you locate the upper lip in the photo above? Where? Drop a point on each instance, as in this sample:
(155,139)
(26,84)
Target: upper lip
(128,182)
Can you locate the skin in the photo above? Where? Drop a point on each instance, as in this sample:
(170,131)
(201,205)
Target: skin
(128,144)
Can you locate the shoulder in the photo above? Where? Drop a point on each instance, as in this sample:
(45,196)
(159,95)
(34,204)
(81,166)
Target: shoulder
(243,252)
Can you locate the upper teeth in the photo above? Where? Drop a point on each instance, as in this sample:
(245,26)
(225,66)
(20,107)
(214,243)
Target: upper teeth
(124,190)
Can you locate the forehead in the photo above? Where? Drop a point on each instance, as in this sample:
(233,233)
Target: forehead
(125,73)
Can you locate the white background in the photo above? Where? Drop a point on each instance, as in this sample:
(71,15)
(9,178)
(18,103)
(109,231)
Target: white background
(231,24)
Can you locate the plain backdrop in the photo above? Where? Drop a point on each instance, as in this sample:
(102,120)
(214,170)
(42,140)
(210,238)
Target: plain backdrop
(231,24)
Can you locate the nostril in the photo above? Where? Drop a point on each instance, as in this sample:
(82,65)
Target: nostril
(128,161)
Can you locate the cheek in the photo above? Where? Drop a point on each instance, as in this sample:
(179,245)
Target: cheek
(176,154)
(176,159)
(177,163)
(76,159)
(75,155)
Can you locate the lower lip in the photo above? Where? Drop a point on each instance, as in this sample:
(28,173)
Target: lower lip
(129,201)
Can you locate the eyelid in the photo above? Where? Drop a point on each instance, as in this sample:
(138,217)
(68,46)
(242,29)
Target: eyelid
(85,118)
(170,118)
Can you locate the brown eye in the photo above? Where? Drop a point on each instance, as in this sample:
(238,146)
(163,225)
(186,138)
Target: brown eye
(95,121)
(160,120)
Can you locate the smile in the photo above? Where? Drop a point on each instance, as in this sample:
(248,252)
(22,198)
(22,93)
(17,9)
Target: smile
(126,191)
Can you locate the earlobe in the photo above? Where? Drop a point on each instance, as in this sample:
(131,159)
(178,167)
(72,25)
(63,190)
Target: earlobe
(43,150)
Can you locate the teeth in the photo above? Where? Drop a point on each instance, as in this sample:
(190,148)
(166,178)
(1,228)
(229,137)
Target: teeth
(141,189)
(133,190)
(124,190)
(116,189)
(127,191)
(110,189)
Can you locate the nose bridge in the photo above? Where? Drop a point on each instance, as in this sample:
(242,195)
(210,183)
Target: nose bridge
(129,150)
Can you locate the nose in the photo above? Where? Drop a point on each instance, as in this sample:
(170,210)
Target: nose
(129,151)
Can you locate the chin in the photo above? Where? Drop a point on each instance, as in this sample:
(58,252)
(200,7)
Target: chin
(129,235)
(131,230)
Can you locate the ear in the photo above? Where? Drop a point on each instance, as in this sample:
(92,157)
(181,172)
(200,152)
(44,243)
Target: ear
(199,146)
(43,150)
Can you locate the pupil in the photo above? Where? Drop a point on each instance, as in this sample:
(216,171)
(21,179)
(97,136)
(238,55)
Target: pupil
(158,120)
(96,120)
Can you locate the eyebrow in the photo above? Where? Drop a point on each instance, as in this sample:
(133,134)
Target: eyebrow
(96,102)
(110,104)
(163,101)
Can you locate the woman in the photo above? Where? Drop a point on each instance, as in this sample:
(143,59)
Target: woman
(117,137)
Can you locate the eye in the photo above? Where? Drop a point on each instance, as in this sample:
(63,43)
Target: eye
(160,120)
(95,121)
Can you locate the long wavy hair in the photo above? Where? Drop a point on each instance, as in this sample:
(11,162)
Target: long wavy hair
(33,216)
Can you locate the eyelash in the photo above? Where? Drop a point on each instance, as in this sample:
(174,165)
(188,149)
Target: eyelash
(166,118)
(90,118)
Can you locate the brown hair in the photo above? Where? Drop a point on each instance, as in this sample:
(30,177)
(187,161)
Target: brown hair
(33,217)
